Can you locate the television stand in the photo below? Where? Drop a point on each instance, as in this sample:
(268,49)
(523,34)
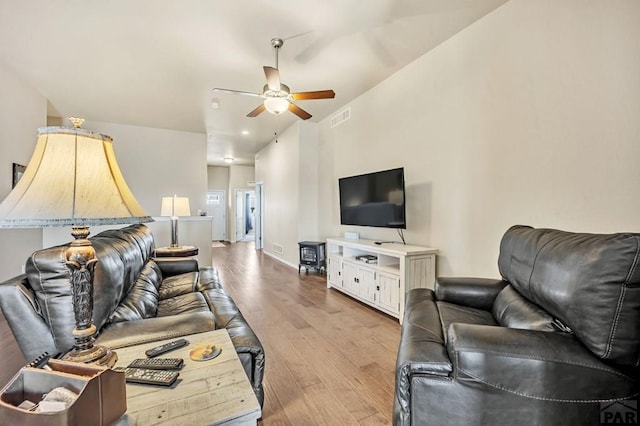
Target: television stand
(383,282)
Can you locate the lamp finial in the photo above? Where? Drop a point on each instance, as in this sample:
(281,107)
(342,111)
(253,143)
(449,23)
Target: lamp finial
(77,122)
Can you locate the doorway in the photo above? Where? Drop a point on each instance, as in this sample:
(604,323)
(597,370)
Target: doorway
(245,215)
(216,209)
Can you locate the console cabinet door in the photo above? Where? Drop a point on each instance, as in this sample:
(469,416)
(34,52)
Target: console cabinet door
(350,277)
(334,273)
(389,293)
(367,283)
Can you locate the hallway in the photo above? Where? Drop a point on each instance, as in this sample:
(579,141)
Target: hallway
(329,359)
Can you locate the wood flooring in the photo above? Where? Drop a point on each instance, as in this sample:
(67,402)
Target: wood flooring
(330,360)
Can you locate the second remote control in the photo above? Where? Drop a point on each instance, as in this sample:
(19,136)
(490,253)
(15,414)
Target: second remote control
(150,377)
(167,347)
(157,363)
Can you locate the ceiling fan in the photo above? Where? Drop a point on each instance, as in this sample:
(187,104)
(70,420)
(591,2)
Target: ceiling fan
(277,96)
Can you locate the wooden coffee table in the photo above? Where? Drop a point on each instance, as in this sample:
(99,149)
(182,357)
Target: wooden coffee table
(210,392)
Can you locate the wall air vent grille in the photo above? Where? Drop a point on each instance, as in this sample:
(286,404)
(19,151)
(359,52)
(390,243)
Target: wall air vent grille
(277,248)
(341,117)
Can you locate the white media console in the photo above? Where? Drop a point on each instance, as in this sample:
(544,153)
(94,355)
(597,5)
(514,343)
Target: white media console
(383,284)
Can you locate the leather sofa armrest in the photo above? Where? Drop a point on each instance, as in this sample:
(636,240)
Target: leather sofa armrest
(244,339)
(534,364)
(22,312)
(175,266)
(477,293)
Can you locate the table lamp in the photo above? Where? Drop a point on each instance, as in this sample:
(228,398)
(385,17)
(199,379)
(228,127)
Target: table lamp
(175,206)
(73,180)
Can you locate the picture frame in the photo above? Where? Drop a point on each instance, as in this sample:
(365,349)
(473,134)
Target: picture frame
(18,171)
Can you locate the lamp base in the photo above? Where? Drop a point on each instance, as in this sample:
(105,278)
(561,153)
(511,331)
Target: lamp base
(81,261)
(96,354)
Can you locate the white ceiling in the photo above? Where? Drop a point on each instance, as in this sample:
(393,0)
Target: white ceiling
(153,63)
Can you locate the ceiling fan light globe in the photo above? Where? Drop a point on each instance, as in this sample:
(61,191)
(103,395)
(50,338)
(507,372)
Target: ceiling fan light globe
(276,105)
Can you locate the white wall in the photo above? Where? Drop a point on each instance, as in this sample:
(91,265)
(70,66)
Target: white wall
(154,162)
(277,168)
(289,171)
(239,178)
(528,116)
(159,162)
(192,231)
(22,111)
(218,178)
(308,183)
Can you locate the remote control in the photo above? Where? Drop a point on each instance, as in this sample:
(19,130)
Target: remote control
(146,376)
(158,363)
(167,347)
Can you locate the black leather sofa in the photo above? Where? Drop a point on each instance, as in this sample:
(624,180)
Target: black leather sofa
(556,341)
(137,299)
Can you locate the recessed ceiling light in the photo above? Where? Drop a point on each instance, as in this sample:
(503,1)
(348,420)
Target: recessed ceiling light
(228,160)
(245,132)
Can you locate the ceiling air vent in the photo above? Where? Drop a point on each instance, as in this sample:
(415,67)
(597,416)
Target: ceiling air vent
(340,117)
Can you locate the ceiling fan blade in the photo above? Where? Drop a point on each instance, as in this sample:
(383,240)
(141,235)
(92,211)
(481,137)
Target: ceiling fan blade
(273,78)
(237,92)
(318,94)
(256,111)
(299,111)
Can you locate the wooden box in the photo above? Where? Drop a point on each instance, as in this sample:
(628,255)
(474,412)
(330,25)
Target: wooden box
(101,395)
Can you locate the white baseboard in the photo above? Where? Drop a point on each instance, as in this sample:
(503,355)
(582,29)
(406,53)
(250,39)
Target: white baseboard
(279,259)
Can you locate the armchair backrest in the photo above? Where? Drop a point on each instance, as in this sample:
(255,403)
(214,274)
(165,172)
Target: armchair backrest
(590,282)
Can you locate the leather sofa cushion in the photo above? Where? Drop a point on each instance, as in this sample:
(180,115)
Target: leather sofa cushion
(192,302)
(178,285)
(142,300)
(512,310)
(204,279)
(534,364)
(590,282)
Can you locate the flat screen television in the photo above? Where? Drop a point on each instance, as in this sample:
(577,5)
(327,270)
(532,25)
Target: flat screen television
(373,199)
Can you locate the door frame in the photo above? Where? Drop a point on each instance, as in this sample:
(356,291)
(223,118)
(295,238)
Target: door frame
(258,215)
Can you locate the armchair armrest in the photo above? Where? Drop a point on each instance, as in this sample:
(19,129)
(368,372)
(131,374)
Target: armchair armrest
(534,364)
(422,349)
(175,266)
(477,293)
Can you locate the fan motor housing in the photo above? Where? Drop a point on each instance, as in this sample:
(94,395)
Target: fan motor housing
(282,93)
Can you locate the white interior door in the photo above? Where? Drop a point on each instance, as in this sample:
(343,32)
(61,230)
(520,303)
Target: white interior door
(216,208)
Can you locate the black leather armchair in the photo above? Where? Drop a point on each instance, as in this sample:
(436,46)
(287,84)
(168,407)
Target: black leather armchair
(555,342)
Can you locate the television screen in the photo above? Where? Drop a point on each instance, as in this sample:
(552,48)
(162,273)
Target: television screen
(373,199)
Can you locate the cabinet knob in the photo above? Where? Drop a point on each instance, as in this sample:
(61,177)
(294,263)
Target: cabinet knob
(378,287)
